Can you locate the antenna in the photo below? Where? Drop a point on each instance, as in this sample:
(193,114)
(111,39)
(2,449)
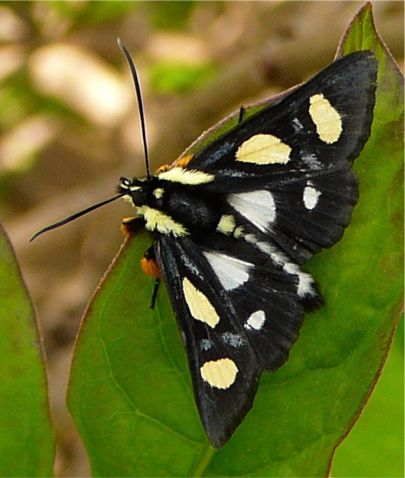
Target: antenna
(145,148)
(140,103)
(74,216)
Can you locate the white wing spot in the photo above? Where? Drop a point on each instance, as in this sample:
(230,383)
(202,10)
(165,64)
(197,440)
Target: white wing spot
(206,344)
(263,149)
(230,271)
(256,320)
(305,285)
(251,238)
(277,257)
(234,340)
(310,196)
(200,307)
(257,206)
(305,281)
(219,373)
(265,247)
(310,160)
(297,125)
(327,120)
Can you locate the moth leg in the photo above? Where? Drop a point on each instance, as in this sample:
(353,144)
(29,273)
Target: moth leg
(241,114)
(131,225)
(154,294)
(150,268)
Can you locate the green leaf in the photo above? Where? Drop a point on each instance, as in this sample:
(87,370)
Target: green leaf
(130,392)
(375,446)
(26,438)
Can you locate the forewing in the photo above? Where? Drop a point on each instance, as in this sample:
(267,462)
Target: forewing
(320,124)
(224,376)
(236,319)
(286,172)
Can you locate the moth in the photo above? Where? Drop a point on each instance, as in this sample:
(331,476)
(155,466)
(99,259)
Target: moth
(234,223)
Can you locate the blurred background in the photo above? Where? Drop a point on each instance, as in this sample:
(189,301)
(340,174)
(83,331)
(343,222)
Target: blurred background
(69,129)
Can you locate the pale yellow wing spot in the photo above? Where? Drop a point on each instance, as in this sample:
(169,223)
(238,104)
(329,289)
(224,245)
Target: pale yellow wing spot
(327,120)
(239,232)
(200,307)
(219,373)
(263,149)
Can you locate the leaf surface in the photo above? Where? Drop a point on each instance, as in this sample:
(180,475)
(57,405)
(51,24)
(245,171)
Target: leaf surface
(375,446)
(26,438)
(130,393)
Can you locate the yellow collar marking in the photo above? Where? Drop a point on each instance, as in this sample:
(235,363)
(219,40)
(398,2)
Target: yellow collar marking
(186,176)
(159,221)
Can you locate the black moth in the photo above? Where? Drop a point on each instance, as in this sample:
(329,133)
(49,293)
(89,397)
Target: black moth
(233,224)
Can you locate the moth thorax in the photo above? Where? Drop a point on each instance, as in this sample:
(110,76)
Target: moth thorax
(197,212)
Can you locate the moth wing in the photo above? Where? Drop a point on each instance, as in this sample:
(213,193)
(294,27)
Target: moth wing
(319,124)
(234,323)
(286,172)
(302,213)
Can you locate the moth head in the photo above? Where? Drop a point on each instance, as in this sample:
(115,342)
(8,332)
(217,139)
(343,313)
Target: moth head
(136,190)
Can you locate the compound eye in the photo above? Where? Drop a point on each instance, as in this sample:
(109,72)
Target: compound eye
(138,197)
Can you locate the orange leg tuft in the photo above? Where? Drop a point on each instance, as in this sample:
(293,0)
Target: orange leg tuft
(150,267)
(130,225)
